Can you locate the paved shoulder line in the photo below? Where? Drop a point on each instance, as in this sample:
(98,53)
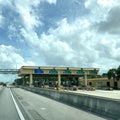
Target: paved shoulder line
(17,108)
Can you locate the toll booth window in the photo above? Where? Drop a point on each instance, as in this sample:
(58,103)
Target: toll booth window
(90,83)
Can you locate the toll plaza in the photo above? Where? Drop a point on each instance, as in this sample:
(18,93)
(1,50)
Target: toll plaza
(54,76)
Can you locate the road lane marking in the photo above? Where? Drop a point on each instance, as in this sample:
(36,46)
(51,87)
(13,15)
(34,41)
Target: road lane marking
(17,108)
(43,108)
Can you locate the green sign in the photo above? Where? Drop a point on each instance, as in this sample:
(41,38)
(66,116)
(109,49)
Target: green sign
(53,71)
(66,72)
(93,72)
(80,72)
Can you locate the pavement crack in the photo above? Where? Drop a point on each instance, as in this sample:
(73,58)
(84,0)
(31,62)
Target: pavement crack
(35,115)
(25,103)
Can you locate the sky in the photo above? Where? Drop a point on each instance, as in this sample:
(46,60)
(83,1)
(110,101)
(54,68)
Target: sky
(72,33)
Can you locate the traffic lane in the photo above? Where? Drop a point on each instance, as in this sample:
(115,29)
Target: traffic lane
(1,87)
(39,107)
(7,107)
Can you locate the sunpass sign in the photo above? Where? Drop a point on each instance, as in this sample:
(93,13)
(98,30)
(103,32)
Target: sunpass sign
(38,71)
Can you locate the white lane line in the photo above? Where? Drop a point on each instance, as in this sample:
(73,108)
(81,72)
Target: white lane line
(17,108)
(43,108)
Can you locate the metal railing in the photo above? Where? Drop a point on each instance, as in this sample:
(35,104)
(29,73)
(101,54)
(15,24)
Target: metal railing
(9,71)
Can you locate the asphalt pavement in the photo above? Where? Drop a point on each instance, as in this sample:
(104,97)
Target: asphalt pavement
(38,107)
(7,107)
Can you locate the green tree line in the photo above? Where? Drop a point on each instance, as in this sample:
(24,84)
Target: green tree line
(114,73)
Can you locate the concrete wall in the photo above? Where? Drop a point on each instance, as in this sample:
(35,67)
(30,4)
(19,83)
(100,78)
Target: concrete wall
(104,106)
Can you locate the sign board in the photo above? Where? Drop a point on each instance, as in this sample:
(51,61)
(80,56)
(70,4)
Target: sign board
(81,72)
(66,71)
(93,72)
(53,71)
(38,71)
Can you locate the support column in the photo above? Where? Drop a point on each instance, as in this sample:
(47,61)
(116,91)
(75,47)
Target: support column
(85,78)
(31,80)
(23,81)
(79,81)
(59,80)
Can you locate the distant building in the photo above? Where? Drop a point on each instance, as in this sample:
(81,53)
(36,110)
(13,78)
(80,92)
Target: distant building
(102,83)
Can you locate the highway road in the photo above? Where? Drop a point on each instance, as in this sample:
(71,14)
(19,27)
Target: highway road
(38,107)
(7,107)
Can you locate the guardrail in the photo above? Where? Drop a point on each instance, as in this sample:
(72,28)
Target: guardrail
(9,71)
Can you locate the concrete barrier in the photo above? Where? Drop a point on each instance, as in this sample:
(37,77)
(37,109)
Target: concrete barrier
(104,106)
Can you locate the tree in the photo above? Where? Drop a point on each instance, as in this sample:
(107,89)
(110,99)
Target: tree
(104,75)
(112,74)
(118,73)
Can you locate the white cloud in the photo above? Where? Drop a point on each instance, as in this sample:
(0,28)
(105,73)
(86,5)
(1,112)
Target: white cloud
(1,18)
(107,3)
(51,1)
(1,21)
(85,42)
(10,58)
(30,17)
(78,43)
(27,13)
(64,45)
(99,9)
(5,2)
(111,25)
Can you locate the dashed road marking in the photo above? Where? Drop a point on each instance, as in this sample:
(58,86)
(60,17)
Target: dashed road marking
(43,108)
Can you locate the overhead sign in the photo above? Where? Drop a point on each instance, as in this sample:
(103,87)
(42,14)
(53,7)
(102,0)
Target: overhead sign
(38,71)
(66,71)
(53,71)
(93,72)
(80,72)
